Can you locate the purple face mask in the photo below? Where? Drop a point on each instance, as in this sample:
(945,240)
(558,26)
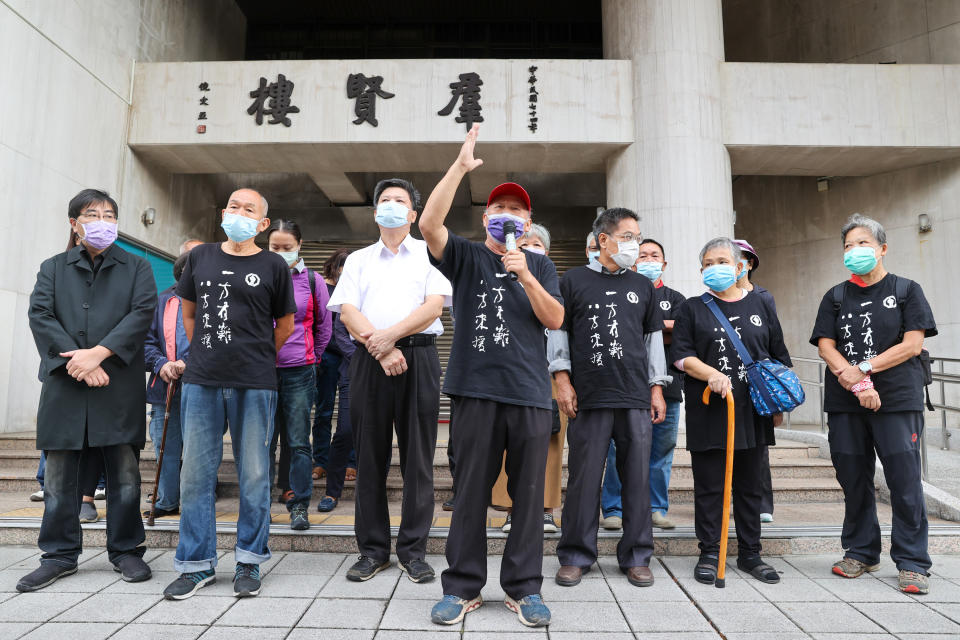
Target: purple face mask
(99,234)
(495,224)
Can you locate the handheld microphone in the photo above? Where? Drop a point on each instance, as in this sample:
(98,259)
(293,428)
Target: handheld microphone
(510,231)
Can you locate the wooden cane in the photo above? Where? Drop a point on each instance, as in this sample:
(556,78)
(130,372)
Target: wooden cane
(720,582)
(163,445)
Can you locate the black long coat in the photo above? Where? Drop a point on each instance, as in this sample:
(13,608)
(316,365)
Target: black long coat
(71,309)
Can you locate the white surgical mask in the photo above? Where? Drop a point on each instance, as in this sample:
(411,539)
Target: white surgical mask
(627,253)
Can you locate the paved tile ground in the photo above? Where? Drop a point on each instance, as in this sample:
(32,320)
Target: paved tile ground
(306,595)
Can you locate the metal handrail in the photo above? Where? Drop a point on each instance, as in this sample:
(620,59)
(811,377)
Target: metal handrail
(940,377)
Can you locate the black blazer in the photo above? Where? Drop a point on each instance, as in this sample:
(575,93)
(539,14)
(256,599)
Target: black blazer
(72,309)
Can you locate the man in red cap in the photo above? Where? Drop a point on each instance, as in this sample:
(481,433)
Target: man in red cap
(497,375)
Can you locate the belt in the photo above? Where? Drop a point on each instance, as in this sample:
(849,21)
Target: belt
(417,340)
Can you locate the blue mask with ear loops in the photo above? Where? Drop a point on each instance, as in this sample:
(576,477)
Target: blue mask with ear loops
(720,277)
(391,214)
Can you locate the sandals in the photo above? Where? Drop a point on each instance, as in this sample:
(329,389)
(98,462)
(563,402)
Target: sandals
(350,474)
(318,472)
(706,570)
(761,570)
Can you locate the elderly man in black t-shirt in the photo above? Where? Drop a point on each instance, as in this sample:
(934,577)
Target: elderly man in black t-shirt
(870,330)
(238,309)
(498,375)
(609,365)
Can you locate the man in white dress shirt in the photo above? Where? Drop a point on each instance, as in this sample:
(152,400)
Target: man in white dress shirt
(390,299)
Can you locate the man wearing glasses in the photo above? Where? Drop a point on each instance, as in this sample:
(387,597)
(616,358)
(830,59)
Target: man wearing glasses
(609,365)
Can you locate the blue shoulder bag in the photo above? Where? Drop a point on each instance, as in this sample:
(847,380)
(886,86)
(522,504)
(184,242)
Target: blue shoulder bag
(774,388)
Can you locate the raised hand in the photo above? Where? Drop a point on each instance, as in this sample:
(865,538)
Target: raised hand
(466,159)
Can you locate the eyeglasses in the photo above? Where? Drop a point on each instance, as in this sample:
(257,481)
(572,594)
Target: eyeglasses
(627,237)
(106,216)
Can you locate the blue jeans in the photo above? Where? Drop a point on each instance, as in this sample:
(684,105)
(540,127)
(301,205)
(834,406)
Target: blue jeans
(205,412)
(296,390)
(42,468)
(167,493)
(328,373)
(661,464)
(661,457)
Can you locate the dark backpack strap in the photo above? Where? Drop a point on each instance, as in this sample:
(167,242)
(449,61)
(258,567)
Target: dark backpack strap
(838,292)
(728,328)
(312,277)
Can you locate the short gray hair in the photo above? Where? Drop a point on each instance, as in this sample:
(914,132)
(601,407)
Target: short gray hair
(541,232)
(590,238)
(871,225)
(721,243)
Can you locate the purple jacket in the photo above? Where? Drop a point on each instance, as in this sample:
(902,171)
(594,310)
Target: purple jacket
(312,324)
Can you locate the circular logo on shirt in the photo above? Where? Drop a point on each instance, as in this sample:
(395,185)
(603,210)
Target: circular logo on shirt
(665,305)
(632,297)
(755,320)
(889,302)
(252,279)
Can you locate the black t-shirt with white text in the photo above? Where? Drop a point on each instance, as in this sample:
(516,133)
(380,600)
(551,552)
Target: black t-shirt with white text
(497,351)
(697,333)
(670,300)
(606,317)
(868,323)
(238,298)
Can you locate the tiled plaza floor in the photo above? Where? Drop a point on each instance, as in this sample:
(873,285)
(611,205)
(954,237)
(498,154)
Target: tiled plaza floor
(305,595)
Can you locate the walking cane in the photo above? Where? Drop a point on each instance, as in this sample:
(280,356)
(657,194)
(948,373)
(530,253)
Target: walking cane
(163,445)
(727,485)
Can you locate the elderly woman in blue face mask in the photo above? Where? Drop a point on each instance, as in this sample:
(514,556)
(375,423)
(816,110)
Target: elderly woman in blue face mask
(702,349)
(870,330)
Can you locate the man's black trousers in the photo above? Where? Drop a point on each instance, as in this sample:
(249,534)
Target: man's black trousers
(588,436)
(409,403)
(484,430)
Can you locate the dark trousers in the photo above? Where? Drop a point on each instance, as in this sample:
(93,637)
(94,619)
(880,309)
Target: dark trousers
(409,403)
(450,458)
(708,471)
(485,429)
(60,537)
(855,441)
(343,442)
(327,375)
(766,482)
(588,436)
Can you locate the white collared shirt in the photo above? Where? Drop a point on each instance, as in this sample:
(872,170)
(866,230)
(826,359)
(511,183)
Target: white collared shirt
(387,288)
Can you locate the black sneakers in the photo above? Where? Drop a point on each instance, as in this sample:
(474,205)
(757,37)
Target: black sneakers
(47,574)
(188,584)
(299,521)
(418,570)
(365,568)
(133,569)
(246,580)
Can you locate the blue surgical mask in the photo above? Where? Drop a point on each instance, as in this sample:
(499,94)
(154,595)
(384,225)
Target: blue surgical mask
(860,260)
(391,214)
(239,228)
(652,270)
(720,277)
(291,257)
(593,257)
(744,267)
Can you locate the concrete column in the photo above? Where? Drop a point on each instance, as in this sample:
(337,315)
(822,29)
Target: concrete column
(676,174)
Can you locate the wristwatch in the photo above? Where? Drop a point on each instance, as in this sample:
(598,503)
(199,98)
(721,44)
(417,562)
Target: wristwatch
(865,367)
